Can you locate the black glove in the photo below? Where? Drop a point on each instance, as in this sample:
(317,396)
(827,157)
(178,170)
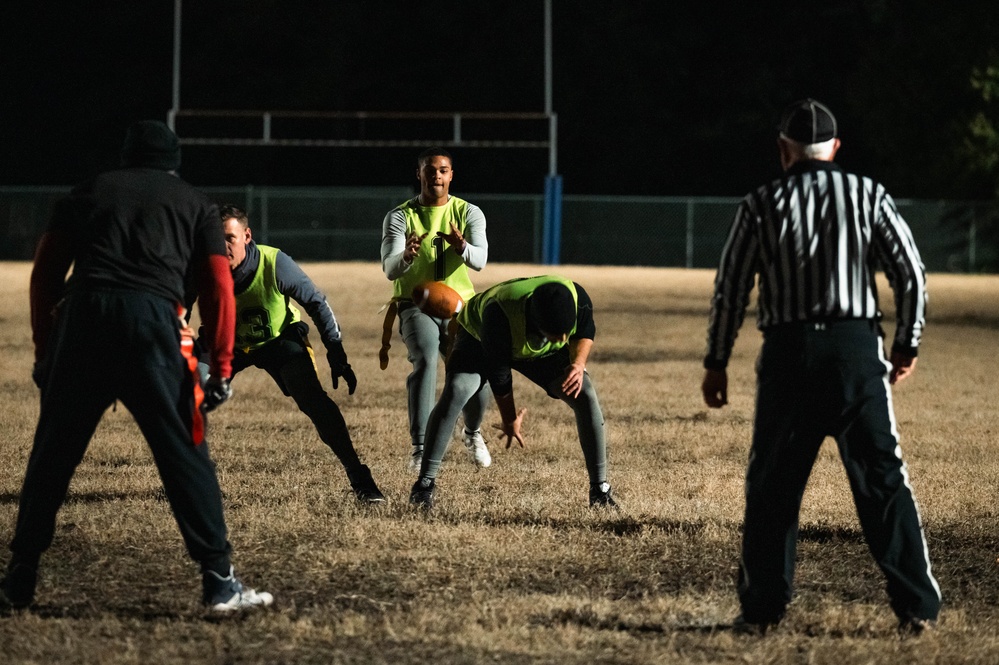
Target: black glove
(339,366)
(216,391)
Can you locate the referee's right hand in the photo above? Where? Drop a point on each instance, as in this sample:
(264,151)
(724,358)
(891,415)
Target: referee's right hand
(715,388)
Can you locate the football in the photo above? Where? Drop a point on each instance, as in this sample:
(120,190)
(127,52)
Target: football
(437,299)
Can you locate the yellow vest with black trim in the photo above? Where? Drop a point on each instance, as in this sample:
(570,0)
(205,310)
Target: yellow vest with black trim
(512,296)
(262,311)
(435,260)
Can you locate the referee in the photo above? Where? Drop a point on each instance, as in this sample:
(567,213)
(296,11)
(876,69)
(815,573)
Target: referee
(815,237)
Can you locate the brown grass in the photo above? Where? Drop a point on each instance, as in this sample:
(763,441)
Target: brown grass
(512,566)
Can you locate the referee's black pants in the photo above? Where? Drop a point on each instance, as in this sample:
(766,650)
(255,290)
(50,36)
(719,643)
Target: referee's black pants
(817,380)
(120,345)
(291,363)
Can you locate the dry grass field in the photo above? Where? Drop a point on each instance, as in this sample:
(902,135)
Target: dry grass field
(512,566)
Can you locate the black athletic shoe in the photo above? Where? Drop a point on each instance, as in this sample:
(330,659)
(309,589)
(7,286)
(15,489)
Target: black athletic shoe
(364,486)
(422,494)
(601,496)
(17,588)
(916,627)
(743,626)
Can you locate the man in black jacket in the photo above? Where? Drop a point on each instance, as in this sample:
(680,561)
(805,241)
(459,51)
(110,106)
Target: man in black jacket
(137,238)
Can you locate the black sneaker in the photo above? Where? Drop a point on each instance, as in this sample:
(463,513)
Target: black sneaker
(915,627)
(422,494)
(17,588)
(364,486)
(601,496)
(743,626)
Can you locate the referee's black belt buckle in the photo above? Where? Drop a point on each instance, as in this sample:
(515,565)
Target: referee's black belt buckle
(824,325)
(829,324)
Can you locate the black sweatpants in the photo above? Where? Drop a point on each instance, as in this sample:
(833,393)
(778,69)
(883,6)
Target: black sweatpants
(120,345)
(813,381)
(290,362)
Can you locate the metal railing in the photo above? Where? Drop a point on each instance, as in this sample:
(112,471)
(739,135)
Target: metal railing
(338,224)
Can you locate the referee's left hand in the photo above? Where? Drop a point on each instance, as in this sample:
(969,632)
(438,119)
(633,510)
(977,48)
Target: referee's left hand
(715,388)
(901,367)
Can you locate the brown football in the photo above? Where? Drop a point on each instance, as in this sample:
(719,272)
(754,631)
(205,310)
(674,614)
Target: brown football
(437,299)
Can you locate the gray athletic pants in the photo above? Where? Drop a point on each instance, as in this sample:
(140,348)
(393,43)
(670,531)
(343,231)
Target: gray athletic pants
(426,341)
(465,382)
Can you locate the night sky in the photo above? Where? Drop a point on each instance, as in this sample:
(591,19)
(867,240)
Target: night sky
(653,98)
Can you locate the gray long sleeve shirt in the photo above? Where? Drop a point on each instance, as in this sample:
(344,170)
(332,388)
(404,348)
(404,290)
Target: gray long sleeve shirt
(394,242)
(294,283)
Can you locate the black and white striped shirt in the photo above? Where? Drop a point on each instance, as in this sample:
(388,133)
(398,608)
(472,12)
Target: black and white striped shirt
(815,237)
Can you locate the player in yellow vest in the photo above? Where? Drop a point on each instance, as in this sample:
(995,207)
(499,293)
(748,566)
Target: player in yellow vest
(271,335)
(543,328)
(433,236)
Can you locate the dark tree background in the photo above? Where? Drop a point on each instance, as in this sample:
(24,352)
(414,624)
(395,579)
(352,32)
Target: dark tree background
(653,97)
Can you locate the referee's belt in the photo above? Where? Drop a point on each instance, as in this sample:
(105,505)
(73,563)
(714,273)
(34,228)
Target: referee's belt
(824,324)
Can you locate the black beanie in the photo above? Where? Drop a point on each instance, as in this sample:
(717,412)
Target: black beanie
(150,143)
(554,308)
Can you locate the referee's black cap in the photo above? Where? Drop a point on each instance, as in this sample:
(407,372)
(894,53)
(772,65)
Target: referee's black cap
(808,121)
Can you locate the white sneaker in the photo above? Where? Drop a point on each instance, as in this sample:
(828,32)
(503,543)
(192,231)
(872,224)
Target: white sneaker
(476,447)
(227,594)
(243,600)
(415,460)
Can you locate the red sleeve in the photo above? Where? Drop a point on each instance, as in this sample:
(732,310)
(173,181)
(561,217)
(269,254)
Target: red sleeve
(53,257)
(217,307)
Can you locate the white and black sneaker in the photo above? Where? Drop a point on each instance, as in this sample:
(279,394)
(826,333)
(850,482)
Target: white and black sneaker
(476,447)
(601,496)
(226,595)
